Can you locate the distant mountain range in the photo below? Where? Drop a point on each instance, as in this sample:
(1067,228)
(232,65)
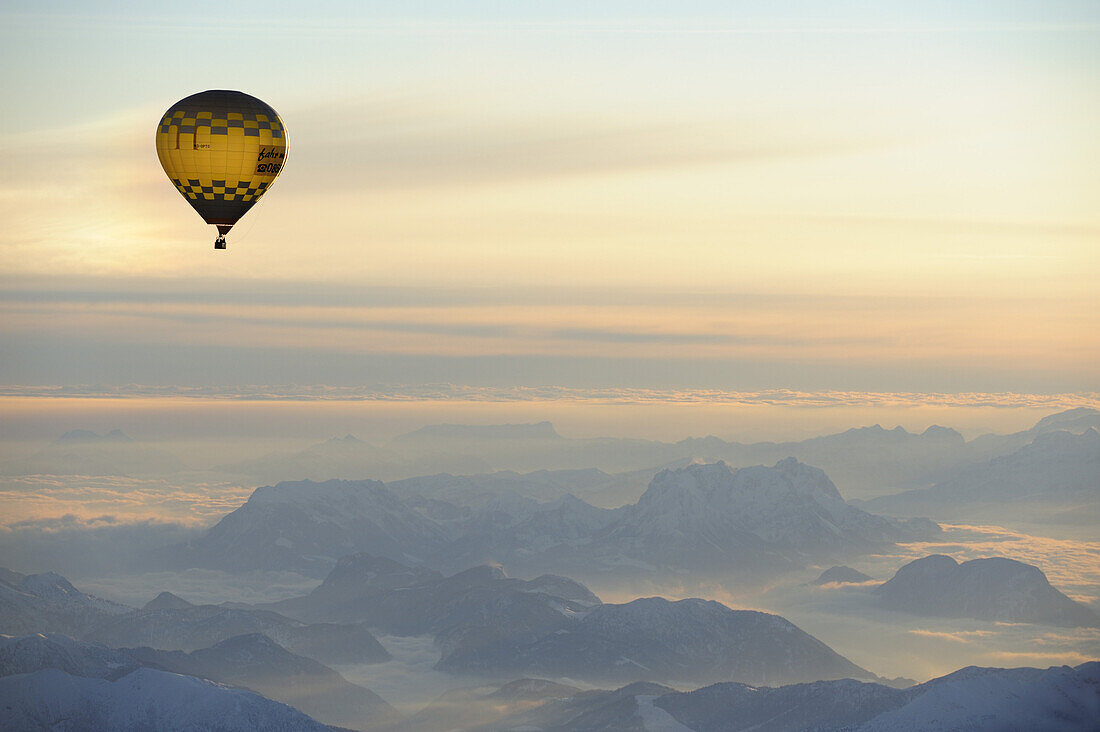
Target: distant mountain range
(864,461)
(1054,477)
(489,625)
(699,518)
(80,452)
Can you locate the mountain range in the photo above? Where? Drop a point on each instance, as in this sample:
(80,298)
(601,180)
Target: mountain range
(864,461)
(1059,699)
(489,625)
(654,639)
(81,452)
(1053,478)
(48,603)
(700,518)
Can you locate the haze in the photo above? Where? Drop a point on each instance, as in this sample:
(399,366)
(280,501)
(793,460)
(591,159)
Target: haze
(661,366)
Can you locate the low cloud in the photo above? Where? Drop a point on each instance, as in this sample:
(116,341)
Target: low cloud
(958,636)
(52,504)
(474,393)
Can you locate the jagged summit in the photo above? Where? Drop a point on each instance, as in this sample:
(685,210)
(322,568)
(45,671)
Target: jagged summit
(714,515)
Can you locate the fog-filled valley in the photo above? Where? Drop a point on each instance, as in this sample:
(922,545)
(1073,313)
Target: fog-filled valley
(511,577)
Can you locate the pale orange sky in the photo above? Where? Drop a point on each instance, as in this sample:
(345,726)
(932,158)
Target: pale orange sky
(778,196)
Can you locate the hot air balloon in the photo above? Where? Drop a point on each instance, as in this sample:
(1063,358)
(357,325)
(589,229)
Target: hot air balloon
(222,150)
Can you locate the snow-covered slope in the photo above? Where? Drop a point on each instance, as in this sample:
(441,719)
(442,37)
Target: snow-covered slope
(306,526)
(145,699)
(995,588)
(1059,698)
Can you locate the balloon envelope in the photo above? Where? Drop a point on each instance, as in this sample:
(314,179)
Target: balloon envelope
(222,150)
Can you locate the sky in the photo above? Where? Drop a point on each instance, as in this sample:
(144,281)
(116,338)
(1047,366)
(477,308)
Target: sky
(893,200)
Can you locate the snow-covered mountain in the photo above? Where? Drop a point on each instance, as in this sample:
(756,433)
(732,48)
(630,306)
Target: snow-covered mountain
(1059,699)
(995,588)
(142,700)
(695,518)
(48,602)
(1057,470)
(305,526)
(81,452)
(709,517)
(654,639)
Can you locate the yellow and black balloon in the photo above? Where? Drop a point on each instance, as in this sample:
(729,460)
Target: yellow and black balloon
(222,150)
